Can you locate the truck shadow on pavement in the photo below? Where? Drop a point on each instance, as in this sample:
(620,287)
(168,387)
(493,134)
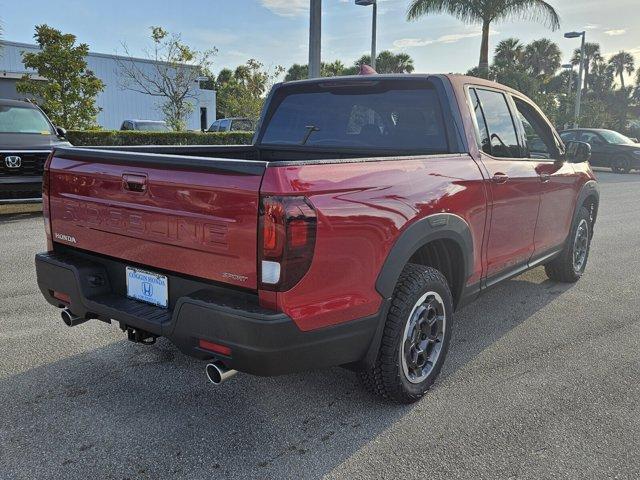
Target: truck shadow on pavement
(130,411)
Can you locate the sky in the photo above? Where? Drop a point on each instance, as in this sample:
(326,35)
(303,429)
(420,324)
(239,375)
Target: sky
(275,32)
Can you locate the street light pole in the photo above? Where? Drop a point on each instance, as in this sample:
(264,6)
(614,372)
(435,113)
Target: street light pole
(374,27)
(315,36)
(580,83)
(374,32)
(582,34)
(569,68)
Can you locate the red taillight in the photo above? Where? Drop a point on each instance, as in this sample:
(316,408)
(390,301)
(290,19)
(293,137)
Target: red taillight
(288,231)
(214,347)
(63,297)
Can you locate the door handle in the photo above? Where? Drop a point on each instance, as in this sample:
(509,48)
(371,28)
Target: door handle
(545,177)
(500,177)
(134,183)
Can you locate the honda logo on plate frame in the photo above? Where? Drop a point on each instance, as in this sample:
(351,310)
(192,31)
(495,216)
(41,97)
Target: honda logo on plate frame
(13,161)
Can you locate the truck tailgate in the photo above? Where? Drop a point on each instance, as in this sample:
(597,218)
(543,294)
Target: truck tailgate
(190,215)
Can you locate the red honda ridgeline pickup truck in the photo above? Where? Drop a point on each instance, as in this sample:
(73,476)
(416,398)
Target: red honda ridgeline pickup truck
(365,212)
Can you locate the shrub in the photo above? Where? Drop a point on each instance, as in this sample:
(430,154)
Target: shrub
(103,138)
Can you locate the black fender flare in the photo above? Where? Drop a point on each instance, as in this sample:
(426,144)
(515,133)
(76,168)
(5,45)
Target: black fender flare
(589,189)
(439,226)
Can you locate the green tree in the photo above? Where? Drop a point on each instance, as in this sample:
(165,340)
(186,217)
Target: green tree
(297,72)
(591,55)
(333,69)
(543,57)
(622,62)
(509,53)
(240,92)
(69,93)
(176,67)
(486,12)
(387,62)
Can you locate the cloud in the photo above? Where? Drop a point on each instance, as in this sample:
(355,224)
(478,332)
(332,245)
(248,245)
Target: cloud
(446,39)
(615,32)
(411,42)
(286,8)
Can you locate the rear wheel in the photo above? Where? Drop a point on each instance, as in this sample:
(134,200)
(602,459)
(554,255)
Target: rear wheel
(571,263)
(622,164)
(416,336)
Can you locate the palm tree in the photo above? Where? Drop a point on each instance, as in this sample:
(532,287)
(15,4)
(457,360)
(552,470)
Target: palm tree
(485,12)
(509,52)
(388,62)
(622,62)
(591,57)
(543,57)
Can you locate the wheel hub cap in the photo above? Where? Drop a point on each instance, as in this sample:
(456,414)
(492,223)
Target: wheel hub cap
(581,245)
(423,335)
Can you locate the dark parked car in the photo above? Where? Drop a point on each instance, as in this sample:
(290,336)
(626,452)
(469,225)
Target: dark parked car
(145,126)
(608,148)
(232,125)
(26,139)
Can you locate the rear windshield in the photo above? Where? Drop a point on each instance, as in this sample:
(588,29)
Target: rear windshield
(23,120)
(397,116)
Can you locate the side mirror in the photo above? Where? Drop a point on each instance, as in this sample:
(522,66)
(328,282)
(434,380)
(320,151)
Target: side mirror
(578,152)
(634,139)
(61,132)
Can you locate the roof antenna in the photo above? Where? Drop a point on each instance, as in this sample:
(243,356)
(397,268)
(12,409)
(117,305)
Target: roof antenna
(367,70)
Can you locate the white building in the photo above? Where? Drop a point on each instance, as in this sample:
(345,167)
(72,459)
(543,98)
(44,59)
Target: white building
(117,103)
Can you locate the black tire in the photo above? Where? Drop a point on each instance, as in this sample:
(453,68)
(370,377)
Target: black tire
(564,268)
(388,378)
(622,164)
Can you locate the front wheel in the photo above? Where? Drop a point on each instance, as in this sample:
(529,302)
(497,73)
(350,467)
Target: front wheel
(570,264)
(416,336)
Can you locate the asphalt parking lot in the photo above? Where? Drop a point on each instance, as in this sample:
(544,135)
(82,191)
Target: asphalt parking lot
(542,381)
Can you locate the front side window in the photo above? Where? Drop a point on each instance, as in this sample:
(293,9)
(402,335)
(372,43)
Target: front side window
(568,136)
(224,125)
(501,129)
(616,138)
(538,136)
(396,116)
(23,120)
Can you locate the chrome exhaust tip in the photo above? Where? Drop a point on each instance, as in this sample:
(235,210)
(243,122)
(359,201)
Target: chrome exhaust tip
(70,319)
(217,373)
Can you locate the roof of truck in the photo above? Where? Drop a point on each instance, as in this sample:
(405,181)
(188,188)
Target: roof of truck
(454,78)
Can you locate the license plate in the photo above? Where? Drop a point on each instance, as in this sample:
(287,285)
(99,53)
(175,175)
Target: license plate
(147,287)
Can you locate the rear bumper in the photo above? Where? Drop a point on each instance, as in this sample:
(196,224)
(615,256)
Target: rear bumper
(18,189)
(262,342)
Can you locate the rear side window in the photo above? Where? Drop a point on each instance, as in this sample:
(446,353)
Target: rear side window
(501,130)
(242,125)
(591,138)
(483,131)
(397,117)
